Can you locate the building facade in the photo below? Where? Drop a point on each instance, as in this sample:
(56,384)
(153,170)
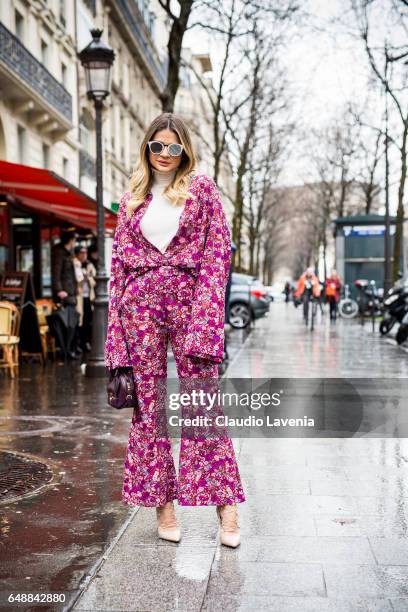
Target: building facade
(47,121)
(38,119)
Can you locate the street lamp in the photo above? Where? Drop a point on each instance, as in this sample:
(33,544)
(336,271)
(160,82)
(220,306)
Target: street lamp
(97,59)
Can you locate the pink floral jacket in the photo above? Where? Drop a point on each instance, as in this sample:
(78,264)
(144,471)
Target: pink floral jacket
(201,245)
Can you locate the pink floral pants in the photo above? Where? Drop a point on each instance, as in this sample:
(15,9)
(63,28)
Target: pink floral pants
(155,308)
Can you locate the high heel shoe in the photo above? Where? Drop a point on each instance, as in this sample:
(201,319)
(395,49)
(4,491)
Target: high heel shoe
(228,516)
(167,526)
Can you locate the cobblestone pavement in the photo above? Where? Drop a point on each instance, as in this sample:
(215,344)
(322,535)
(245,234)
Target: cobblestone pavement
(324,527)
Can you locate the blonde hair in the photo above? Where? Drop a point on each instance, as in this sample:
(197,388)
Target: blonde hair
(142,176)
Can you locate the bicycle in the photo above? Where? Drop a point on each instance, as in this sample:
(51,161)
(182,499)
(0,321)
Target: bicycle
(307,298)
(348,308)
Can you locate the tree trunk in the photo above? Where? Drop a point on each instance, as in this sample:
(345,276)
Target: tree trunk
(400,209)
(174,46)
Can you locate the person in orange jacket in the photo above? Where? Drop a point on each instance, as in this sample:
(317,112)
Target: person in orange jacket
(332,291)
(308,278)
(308,286)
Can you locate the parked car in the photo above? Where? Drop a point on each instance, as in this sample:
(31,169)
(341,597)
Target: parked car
(248,300)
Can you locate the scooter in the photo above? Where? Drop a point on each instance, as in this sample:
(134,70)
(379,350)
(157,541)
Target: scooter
(369,300)
(402,333)
(395,306)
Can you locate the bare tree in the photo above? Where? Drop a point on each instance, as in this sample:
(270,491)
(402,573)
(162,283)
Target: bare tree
(394,86)
(245,94)
(178,28)
(366,177)
(275,247)
(263,176)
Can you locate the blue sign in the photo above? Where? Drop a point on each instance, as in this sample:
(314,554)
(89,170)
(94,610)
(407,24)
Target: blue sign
(366,230)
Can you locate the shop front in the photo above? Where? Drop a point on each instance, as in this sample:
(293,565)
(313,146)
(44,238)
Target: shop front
(35,205)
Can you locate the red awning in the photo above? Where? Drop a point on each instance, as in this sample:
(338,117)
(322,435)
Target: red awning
(44,191)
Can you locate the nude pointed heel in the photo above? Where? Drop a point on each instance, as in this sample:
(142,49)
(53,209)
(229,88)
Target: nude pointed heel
(228,517)
(167,526)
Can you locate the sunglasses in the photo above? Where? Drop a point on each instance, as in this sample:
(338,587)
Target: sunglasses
(156,147)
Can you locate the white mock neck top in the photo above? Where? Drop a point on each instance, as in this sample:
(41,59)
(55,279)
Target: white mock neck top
(160,221)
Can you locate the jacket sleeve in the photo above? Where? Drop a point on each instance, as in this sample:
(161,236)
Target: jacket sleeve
(205,331)
(56,269)
(116,353)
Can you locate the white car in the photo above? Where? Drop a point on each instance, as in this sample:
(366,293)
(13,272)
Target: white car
(275,292)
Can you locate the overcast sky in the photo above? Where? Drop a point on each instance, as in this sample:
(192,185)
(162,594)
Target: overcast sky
(326,66)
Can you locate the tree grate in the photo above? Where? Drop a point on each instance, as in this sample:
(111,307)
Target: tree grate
(21,475)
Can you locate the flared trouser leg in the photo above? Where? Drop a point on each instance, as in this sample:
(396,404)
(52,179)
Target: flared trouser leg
(208,470)
(156,308)
(149,473)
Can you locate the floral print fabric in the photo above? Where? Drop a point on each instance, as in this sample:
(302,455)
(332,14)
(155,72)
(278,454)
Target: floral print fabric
(202,245)
(179,297)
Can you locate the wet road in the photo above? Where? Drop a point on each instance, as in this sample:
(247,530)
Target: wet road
(324,526)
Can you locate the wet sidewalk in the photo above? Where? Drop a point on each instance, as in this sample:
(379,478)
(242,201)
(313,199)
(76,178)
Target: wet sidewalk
(324,527)
(62,448)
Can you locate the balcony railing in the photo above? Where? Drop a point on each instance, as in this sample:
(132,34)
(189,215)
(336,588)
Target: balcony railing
(87,164)
(18,59)
(158,70)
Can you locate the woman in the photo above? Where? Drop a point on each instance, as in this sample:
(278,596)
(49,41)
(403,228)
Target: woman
(333,293)
(170,266)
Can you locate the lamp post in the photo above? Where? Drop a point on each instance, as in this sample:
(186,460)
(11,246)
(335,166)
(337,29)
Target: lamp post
(97,59)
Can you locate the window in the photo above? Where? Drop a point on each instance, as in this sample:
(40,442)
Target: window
(46,155)
(85,138)
(91,4)
(117,67)
(44,53)
(152,18)
(122,137)
(19,25)
(64,74)
(62,12)
(86,130)
(65,167)
(21,143)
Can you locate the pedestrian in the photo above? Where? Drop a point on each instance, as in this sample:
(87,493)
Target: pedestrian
(93,255)
(92,266)
(170,263)
(89,299)
(64,293)
(287,290)
(85,272)
(79,275)
(333,292)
